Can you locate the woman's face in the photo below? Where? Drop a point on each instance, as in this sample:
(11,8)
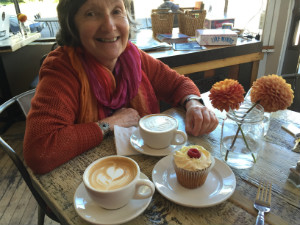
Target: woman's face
(103,29)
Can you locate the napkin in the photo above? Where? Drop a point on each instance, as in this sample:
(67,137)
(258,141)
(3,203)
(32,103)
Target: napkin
(122,140)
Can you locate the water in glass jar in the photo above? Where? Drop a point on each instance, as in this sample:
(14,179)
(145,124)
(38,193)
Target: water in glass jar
(239,156)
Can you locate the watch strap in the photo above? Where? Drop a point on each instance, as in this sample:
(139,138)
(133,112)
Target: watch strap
(192,98)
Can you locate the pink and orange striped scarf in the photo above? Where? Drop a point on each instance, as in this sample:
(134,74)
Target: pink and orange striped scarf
(103,92)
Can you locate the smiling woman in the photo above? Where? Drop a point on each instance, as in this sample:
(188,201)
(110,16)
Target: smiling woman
(97,79)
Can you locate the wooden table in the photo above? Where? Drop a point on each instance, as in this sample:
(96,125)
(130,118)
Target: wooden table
(274,163)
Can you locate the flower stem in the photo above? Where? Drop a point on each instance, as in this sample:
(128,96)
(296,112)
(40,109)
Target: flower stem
(226,156)
(237,132)
(247,144)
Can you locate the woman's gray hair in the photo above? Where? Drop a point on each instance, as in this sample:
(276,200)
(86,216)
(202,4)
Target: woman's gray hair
(66,11)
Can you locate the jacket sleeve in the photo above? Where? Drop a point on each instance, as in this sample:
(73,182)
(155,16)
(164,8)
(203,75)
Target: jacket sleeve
(168,85)
(52,135)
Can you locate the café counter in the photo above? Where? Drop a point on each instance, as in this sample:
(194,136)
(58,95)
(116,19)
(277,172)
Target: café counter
(9,52)
(213,63)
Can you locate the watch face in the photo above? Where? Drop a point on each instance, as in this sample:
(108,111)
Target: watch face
(104,125)
(105,128)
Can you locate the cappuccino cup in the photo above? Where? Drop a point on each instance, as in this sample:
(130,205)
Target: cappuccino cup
(160,131)
(113,181)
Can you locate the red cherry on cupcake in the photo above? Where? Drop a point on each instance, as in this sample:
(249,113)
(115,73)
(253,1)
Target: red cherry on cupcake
(194,153)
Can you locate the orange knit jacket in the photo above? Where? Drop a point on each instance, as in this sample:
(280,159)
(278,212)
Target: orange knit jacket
(53,135)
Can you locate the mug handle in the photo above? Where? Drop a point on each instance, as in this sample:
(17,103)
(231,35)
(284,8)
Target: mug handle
(178,142)
(143,182)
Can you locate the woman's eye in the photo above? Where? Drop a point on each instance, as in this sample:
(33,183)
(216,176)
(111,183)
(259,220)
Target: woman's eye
(90,14)
(117,12)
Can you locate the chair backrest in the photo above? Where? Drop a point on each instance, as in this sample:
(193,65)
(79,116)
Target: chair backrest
(24,101)
(294,80)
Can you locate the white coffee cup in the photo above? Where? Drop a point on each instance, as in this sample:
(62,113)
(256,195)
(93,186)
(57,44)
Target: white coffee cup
(160,131)
(113,181)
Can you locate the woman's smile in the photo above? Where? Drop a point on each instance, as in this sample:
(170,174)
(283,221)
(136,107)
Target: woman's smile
(107,40)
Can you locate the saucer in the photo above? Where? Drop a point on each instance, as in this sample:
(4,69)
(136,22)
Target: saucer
(218,187)
(137,143)
(89,211)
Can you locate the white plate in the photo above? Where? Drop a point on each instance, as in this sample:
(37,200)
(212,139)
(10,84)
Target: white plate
(218,187)
(137,143)
(88,210)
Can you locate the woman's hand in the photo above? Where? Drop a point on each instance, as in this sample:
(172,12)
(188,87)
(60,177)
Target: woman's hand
(125,117)
(199,119)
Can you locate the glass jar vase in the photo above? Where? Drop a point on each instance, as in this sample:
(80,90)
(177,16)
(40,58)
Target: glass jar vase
(242,135)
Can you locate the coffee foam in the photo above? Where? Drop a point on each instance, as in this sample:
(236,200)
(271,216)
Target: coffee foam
(158,123)
(112,173)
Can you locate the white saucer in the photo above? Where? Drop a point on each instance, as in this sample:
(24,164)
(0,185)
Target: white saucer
(137,143)
(91,212)
(218,187)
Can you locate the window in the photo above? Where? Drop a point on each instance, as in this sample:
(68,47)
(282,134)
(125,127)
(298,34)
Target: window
(296,35)
(34,9)
(248,14)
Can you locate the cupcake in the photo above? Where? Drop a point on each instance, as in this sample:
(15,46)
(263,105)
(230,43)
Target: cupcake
(192,165)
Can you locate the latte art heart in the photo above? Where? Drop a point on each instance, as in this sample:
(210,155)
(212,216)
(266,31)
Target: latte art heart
(114,173)
(111,178)
(111,175)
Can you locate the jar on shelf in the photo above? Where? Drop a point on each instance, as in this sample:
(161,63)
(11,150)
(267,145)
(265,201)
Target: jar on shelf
(24,29)
(242,135)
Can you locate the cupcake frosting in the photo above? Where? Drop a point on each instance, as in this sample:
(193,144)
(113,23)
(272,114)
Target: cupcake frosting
(184,161)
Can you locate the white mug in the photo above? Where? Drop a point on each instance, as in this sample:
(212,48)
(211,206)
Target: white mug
(160,131)
(113,181)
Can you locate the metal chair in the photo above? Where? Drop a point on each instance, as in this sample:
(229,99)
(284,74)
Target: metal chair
(24,101)
(294,80)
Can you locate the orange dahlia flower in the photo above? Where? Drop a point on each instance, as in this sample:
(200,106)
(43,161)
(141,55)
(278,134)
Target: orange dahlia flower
(227,94)
(22,17)
(272,92)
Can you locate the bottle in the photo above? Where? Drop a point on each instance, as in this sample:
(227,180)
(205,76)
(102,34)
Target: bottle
(294,176)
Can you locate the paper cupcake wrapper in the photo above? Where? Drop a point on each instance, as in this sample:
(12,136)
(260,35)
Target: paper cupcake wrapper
(192,179)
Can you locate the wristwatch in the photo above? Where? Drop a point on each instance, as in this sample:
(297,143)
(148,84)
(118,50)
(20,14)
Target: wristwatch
(192,98)
(105,128)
